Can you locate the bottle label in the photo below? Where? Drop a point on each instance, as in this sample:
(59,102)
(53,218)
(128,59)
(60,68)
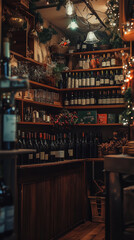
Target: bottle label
(97,83)
(107,81)
(61,154)
(117,100)
(121,100)
(83,101)
(80,64)
(92,81)
(72,101)
(30,156)
(108,101)
(104,101)
(88,82)
(42,156)
(37,155)
(46,157)
(76,101)
(84,46)
(44,117)
(108,63)
(113,62)
(72,83)
(79,82)
(99,101)
(52,153)
(70,152)
(56,154)
(83,82)
(112,100)
(116,77)
(79,101)
(92,101)
(101,81)
(9,128)
(48,118)
(103,64)
(121,78)
(76,83)
(111,82)
(66,103)
(88,101)
(69,82)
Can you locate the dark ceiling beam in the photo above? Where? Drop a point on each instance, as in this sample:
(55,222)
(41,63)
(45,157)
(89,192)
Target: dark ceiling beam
(94,13)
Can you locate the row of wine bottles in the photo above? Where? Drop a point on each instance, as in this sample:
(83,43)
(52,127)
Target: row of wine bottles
(93,79)
(89,98)
(59,147)
(97,61)
(6,208)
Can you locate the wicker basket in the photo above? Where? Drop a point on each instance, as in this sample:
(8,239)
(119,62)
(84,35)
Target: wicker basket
(97,208)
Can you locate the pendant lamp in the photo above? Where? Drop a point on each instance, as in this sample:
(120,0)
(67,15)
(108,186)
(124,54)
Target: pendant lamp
(91,38)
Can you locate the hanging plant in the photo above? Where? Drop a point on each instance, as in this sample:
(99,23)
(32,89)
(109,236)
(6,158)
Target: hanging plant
(46,34)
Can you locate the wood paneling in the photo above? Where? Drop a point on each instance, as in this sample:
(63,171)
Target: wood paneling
(53,200)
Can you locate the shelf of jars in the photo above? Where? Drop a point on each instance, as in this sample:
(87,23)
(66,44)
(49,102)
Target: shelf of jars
(39,103)
(100,51)
(89,88)
(37,84)
(96,106)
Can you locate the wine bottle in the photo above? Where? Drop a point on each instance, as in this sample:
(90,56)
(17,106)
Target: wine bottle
(30,146)
(6,65)
(52,149)
(78,45)
(41,150)
(46,147)
(70,147)
(9,123)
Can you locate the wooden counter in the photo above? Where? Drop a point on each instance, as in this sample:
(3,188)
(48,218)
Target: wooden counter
(52,199)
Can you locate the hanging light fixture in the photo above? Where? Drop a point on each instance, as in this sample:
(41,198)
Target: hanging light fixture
(73,25)
(91,38)
(69,8)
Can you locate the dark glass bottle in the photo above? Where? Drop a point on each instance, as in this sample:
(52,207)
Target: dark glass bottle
(30,146)
(36,146)
(46,147)
(8,124)
(61,148)
(6,65)
(41,149)
(52,149)
(70,147)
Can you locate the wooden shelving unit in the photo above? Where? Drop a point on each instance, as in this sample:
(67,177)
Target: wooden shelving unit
(38,103)
(94,69)
(96,106)
(89,88)
(21,57)
(35,123)
(41,85)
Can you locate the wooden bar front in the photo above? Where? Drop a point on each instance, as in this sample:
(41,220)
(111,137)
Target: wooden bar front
(52,199)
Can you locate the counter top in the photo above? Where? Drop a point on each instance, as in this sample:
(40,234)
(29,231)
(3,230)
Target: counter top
(120,163)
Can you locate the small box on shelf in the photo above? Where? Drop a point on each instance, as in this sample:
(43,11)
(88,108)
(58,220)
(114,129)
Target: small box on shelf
(102,118)
(87,116)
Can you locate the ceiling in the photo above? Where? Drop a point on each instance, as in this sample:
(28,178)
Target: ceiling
(85,19)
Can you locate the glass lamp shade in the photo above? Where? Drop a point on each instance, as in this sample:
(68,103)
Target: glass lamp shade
(73,25)
(91,38)
(69,8)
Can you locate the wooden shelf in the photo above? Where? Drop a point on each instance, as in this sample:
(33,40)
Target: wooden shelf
(19,56)
(94,159)
(94,69)
(99,125)
(96,106)
(36,84)
(89,88)
(16,152)
(38,103)
(49,164)
(100,51)
(36,123)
